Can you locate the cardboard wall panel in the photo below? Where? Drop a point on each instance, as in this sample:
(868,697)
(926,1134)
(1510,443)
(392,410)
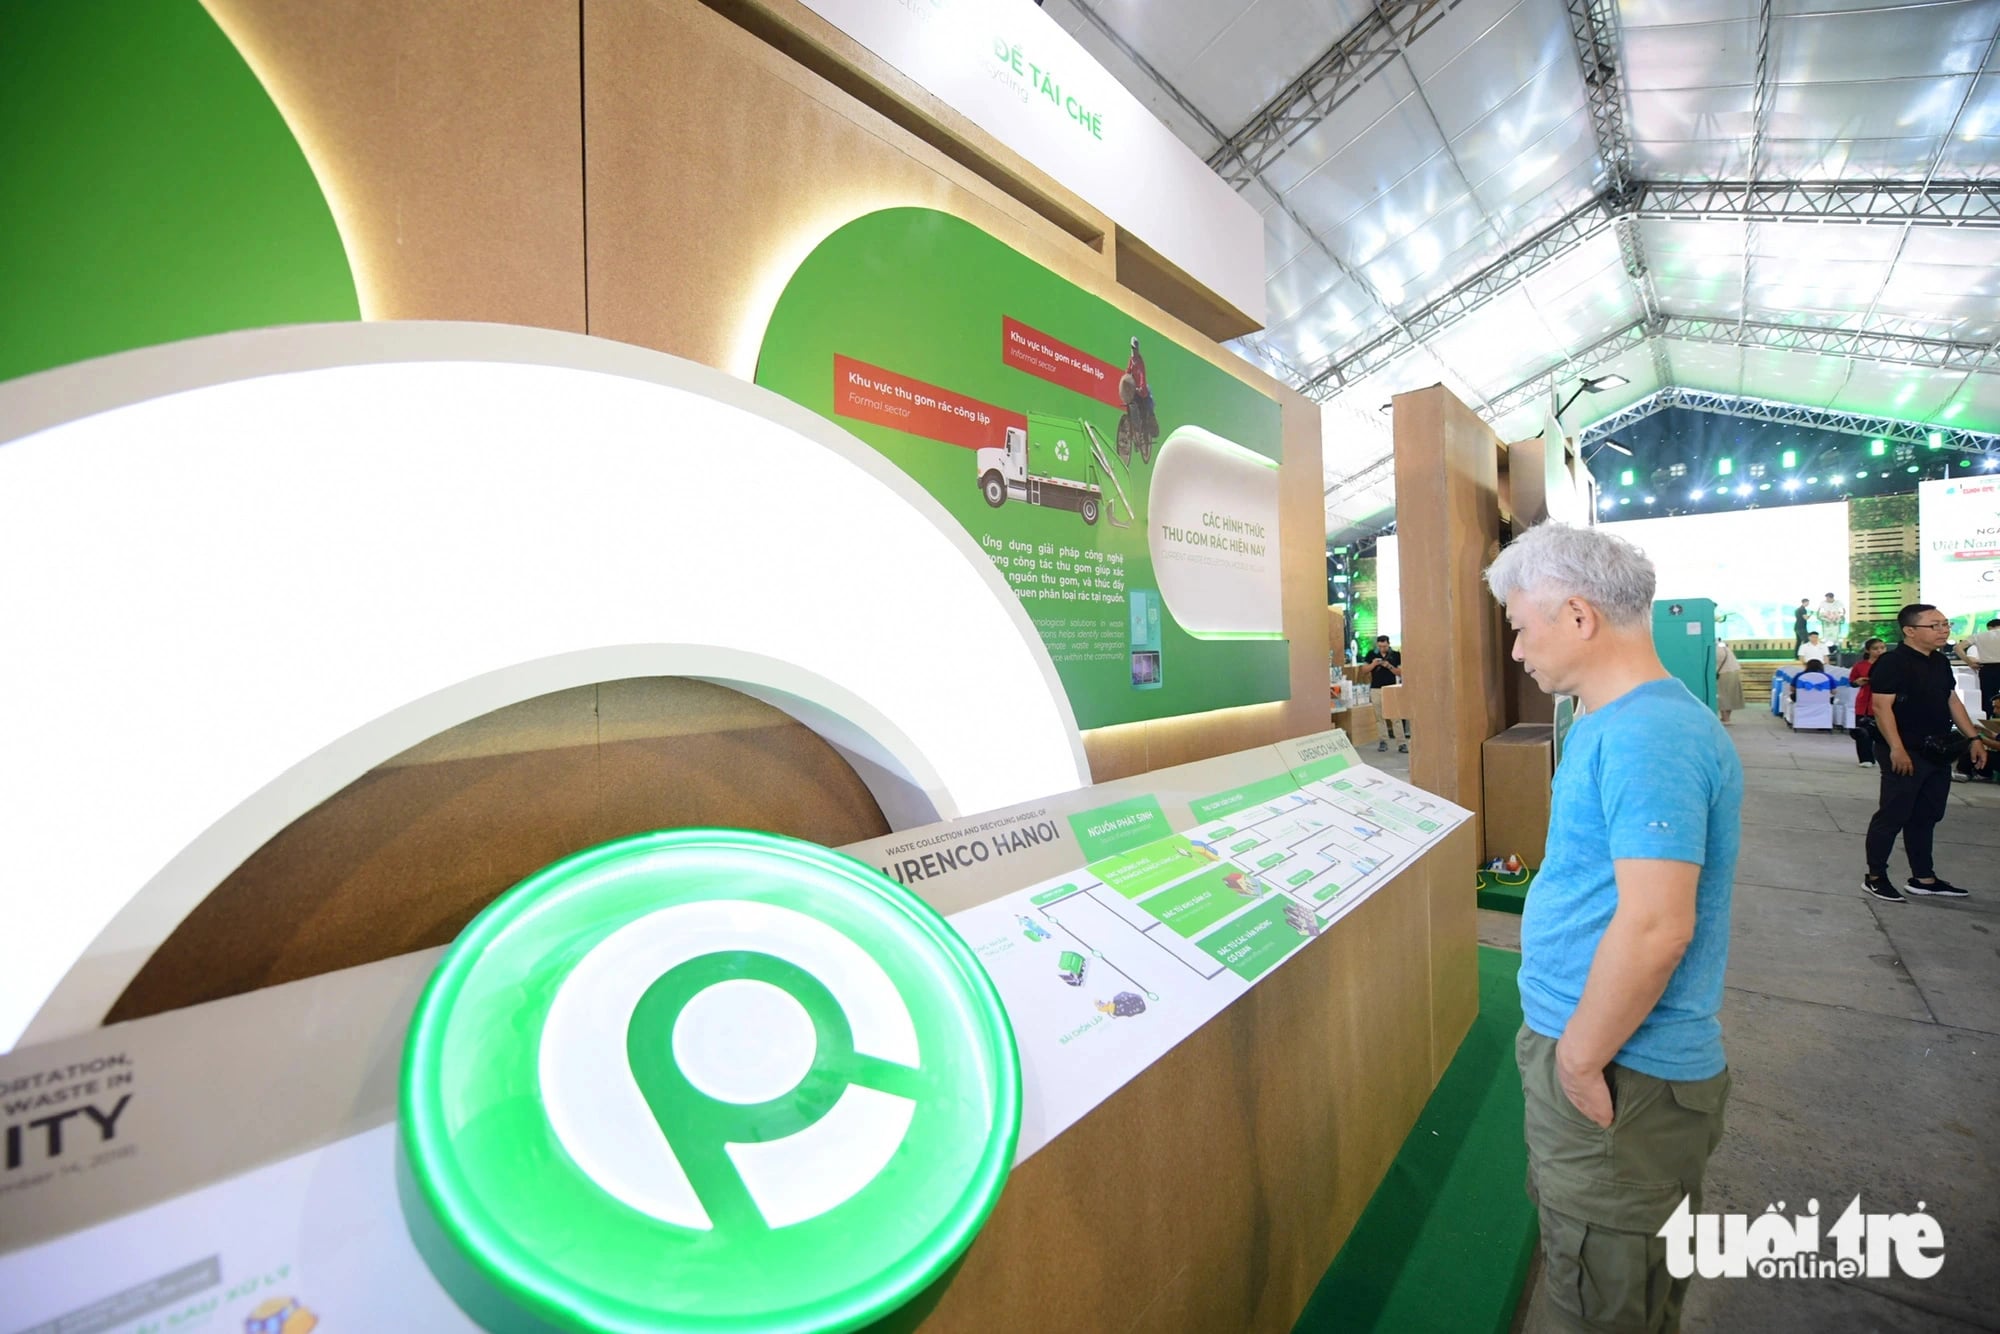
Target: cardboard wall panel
(447,137)
(665,89)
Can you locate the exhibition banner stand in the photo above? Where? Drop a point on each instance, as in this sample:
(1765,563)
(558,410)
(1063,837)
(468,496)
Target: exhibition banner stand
(237,1161)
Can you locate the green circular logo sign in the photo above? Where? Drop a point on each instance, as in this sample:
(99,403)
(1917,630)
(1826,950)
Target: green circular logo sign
(703,1080)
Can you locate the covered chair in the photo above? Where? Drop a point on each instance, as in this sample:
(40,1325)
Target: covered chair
(1809,701)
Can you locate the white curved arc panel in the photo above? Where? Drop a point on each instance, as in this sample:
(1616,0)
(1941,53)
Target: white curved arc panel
(242,571)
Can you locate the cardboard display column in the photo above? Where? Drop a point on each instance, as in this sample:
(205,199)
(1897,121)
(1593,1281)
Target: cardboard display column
(1447,489)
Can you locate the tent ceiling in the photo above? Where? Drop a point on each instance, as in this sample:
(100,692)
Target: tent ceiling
(1791,200)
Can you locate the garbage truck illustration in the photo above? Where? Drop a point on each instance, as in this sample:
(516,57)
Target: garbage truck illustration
(1057,462)
(1070,967)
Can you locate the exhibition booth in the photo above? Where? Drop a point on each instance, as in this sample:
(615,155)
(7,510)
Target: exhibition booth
(742,749)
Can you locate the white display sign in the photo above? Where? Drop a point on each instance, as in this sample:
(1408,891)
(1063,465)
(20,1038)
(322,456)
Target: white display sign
(1388,591)
(1213,514)
(1012,71)
(1958,526)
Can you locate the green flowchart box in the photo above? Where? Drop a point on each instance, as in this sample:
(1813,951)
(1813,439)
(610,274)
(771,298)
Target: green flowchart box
(1193,906)
(1144,870)
(1105,831)
(1270,861)
(1236,798)
(1256,942)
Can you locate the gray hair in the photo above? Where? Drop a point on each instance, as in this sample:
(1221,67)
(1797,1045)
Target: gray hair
(1555,561)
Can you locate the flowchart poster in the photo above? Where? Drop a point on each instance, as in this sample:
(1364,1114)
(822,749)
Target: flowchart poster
(1125,487)
(1104,969)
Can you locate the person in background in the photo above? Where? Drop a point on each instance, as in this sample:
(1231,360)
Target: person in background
(1815,672)
(1799,619)
(1728,680)
(1386,669)
(1831,617)
(1983,651)
(1626,933)
(1811,648)
(1916,704)
(1863,730)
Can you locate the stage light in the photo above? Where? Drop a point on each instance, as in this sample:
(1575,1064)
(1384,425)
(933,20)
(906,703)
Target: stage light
(1812,481)
(1763,486)
(1836,479)
(1860,474)
(1904,453)
(1723,467)
(1789,459)
(1625,477)
(1758,470)
(1696,494)
(1649,500)
(1743,490)
(1604,504)
(1624,500)
(1878,447)
(1937,441)
(1911,468)
(1792,485)
(1990,463)
(1677,470)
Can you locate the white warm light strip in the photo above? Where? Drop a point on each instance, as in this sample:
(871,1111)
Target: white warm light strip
(242,571)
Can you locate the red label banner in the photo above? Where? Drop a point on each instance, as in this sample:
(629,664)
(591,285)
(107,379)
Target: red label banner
(1035,352)
(883,398)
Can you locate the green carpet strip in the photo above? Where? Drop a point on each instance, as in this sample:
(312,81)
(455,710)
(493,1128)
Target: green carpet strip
(1444,1244)
(1503,891)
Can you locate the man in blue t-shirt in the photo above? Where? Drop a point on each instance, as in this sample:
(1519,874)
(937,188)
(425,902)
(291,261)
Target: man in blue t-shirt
(1625,934)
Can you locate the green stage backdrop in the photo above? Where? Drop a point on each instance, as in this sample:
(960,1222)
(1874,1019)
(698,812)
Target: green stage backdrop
(930,340)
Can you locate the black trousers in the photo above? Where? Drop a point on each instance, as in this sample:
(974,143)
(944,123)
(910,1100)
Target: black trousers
(1989,685)
(1863,733)
(1911,805)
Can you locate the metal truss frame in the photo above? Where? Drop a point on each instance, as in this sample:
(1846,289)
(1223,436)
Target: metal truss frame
(1576,367)
(1360,54)
(1916,203)
(1894,429)
(1941,203)
(1593,26)
(1544,248)
(1943,354)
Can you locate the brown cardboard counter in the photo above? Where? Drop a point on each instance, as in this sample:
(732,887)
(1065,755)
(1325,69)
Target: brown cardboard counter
(1359,724)
(1242,1157)
(1519,770)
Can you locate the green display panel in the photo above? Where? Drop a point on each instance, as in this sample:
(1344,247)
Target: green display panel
(703,1080)
(997,386)
(150,189)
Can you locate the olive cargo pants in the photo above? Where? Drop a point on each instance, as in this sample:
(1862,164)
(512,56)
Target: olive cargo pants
(1604,1193)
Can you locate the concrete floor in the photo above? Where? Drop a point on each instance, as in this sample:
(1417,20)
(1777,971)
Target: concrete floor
(1865,1042)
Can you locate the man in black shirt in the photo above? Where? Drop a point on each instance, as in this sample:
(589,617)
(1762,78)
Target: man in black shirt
(1916,703)
(1386,670)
